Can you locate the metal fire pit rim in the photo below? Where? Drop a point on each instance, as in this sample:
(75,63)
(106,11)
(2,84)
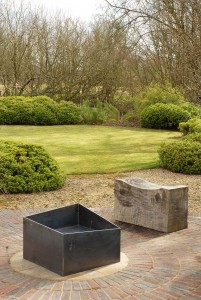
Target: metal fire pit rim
(48,210)
(116,226)
(51,229)
(89,231)
(75,232)
(63,233)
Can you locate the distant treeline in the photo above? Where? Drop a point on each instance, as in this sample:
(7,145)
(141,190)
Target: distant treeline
(119,53)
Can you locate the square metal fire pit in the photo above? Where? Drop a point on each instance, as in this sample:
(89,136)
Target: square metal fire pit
(70,239)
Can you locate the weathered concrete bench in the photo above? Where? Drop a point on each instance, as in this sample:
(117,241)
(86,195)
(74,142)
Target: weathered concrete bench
(140,202)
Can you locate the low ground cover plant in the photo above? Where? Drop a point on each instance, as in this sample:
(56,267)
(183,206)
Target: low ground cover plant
(27,168)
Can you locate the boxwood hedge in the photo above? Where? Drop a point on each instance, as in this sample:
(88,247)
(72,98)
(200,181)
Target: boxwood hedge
(193,137)
(183,156)
(40,110)
(191,126)
(27,168)
(163,116)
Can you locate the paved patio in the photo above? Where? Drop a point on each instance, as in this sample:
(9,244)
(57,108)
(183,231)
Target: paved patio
(161,266)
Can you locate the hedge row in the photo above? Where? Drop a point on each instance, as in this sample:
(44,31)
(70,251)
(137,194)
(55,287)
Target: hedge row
(40,110)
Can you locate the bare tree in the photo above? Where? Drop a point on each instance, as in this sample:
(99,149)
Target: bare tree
(17,25)
(170,38)
(108,58)
(39,53)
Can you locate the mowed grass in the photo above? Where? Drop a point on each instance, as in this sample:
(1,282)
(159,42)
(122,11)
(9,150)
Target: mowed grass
(94,149)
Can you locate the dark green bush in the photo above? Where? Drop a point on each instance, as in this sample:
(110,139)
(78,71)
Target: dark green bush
(11,109)
(40,110)
(163,116)
(158,93)
(182,157)
(21,113)
(4,112)
(44,110)
(27,168)
(43,115)
(67,113)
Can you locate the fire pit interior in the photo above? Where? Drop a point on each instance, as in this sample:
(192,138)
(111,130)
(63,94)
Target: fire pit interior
(70,239)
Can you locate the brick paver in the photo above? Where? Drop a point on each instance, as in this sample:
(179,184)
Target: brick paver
(161,266)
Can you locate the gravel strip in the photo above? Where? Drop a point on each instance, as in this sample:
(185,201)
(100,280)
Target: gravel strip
(98,190)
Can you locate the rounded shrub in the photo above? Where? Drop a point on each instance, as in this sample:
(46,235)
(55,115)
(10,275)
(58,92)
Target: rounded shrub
(67,113)
(39,110)
(21,113)
(158,93)
(191,126)
(163,116)
(27,168)
(193,109)
(193,137)
(44,110)
(182,157)
(4,113)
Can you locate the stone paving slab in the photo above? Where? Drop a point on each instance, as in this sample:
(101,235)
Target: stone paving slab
(161,266)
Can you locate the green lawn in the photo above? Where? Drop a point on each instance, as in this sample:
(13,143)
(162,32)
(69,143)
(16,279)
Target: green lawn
(94,149)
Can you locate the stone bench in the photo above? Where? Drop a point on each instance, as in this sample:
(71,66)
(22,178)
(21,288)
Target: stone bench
(140,202)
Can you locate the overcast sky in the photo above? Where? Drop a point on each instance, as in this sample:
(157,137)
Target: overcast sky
(83,9)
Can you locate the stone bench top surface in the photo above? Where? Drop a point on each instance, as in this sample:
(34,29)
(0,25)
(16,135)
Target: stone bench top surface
(144,184)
